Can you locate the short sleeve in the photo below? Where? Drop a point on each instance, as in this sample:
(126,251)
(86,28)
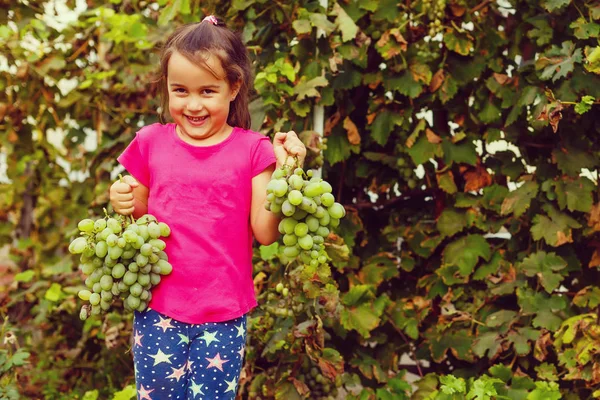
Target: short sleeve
(262,156)
(135,162)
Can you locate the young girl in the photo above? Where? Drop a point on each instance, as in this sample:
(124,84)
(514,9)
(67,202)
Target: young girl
(205,175)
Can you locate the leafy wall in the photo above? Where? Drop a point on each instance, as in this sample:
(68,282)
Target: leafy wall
(461,137)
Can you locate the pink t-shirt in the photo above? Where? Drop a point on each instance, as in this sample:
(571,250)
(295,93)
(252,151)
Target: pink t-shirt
(204,195)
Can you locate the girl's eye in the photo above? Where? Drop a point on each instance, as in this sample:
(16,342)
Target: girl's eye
(179,90)
(207,91)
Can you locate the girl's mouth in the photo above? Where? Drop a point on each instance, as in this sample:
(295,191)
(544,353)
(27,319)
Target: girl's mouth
(195,120)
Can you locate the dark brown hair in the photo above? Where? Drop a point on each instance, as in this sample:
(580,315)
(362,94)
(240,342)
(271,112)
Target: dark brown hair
(198,41)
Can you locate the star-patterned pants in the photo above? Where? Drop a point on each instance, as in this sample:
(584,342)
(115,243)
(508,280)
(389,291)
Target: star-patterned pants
(175,360)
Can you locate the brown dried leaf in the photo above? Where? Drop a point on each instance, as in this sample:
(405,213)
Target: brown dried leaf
(331,123)
(457,10)
(595,261)
(501,78)
(477,178)
(561,238)
(371,118)
(555,116)
(300,386)
(432,137)
(399,38)
(437,80)
(353,135)
(540,351)
(594,218)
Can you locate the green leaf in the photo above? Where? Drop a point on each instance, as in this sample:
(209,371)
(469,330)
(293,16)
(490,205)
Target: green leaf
(54,292)
(384,124)
(483,388)
(572,160)
(423,150)
(458,342)
(446,182)
(547,372)
(575,195)
(544,266)
(361,319)
(128,393)
(545,391)
(168,13)
(518,201)
(25,276)
(584,29)
(463,152)
(500,318)
(553,5)
(458,42)
(555,229)
(270,251)
(544,306)
(490,113)
(308,88)
(405,84)
(465,253)
(357,295)
(450,222)
(487,343)
(287,391)
(90,395)
(345,24)
(321,21)
(452,385)
(585,104)
(542,32)
(559,62)
(302,26)
(338,148)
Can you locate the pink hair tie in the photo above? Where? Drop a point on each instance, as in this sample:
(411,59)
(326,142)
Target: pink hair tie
(212,19)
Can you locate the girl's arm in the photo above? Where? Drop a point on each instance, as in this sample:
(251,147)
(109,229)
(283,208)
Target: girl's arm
(140,200)
(263,222)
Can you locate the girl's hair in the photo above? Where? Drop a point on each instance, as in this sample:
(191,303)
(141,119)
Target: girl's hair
(197,42)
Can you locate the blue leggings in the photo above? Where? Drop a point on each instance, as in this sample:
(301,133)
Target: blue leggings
(175,360)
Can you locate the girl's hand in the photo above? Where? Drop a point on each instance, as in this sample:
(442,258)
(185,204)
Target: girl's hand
(287,144)
(121,195)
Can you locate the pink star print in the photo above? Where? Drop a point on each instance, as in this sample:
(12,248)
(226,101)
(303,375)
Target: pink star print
(164,324)
(138,339)
(188,364)
(241,352)
(216,362)
(145,393)
(177,373)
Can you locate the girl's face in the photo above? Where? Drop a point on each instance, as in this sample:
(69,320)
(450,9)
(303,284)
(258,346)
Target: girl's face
(199,101)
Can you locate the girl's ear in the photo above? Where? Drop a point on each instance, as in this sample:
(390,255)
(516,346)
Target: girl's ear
(235,89)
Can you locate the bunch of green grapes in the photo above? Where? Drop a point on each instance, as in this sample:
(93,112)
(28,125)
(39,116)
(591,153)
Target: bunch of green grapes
(308,209)
(120,259)
(321,387)
(435,11)
(406,171)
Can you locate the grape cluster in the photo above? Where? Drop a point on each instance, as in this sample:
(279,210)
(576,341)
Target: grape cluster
(321,388)
(436,10)
(120,259)
(406,171)
(309,210)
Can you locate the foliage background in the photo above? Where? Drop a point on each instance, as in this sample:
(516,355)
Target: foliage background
(461,137)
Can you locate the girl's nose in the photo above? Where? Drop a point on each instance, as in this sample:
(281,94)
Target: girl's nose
(194,105)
